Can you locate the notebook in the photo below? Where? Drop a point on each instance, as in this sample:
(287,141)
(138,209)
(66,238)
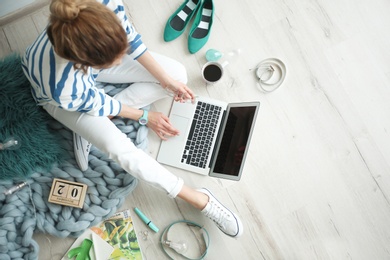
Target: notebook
(214,137)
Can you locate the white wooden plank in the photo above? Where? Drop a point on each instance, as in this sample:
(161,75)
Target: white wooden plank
(21,34)
(4,45)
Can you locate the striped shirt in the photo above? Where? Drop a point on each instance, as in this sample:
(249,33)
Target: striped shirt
(55,81)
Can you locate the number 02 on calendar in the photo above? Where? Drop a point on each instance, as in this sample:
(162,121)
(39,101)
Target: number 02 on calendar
(68,193)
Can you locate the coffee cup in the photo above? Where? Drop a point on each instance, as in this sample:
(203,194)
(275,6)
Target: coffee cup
(212,71)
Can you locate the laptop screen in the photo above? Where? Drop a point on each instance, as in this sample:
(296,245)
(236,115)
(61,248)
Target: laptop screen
(232,149)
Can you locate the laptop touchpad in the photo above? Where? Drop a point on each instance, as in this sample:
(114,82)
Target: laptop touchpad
(181,124)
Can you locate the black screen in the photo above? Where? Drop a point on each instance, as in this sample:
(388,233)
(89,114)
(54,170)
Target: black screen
(234,141)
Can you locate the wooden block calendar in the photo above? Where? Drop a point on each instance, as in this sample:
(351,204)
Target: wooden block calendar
(67,193)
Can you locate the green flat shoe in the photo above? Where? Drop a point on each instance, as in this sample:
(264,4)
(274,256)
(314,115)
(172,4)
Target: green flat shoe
(200,30)
(178,21)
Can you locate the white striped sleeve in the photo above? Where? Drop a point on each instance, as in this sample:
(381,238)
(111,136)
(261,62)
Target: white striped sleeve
(136,46)
(76,91)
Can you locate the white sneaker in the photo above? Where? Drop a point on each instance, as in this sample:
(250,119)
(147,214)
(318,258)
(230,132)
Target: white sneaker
(228,222)
(81,151)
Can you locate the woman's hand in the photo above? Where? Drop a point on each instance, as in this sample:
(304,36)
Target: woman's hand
(160,124)
(157,121)
(180,91)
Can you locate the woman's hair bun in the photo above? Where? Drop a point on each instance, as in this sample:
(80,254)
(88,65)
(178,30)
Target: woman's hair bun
(66,10)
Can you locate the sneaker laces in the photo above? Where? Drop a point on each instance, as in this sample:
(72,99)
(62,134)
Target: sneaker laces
(218,214)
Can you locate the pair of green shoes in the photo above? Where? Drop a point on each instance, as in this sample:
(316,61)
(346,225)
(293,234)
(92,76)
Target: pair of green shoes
(201,27)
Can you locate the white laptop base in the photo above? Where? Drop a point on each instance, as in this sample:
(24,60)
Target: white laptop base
(171,151)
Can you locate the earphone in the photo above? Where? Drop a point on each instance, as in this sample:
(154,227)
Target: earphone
(266,71)
(180,247)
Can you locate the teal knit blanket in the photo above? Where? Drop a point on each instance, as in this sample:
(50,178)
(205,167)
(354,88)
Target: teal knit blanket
(28,210)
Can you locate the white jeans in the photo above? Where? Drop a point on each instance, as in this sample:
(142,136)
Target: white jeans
(103,134)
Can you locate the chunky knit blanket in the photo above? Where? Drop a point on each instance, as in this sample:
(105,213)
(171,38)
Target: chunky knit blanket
(28,210)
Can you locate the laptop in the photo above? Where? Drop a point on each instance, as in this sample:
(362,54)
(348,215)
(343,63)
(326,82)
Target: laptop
(214,137)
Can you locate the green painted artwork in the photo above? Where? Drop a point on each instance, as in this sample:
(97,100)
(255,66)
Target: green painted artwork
(119,232)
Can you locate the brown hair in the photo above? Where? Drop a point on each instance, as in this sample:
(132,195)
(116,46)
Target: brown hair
(86,33)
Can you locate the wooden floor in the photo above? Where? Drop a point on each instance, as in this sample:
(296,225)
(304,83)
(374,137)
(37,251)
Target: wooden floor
(317,180)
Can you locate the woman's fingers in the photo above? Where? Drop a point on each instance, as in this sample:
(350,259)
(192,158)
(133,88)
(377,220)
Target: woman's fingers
(162,135)
(168,128)
(182,92)
(190,94)
(160,124)
(184,95)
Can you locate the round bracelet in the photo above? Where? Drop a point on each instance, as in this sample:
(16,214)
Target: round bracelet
(164,235)
(266,71)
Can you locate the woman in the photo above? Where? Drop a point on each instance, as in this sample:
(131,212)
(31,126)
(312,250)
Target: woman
(88,41)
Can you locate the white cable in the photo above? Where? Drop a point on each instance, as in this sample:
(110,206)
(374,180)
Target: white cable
(270,74)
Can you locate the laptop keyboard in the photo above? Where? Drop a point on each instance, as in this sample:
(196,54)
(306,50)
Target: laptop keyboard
(201,135)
